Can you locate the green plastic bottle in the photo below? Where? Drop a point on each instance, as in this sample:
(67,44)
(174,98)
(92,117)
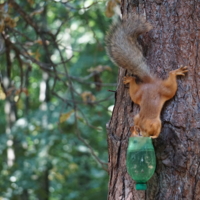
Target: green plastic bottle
(140,160)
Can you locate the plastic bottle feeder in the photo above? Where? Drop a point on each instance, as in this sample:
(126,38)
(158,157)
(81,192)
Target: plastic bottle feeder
(140,160)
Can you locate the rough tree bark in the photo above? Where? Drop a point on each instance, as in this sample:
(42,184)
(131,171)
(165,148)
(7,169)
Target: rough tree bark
(174,41)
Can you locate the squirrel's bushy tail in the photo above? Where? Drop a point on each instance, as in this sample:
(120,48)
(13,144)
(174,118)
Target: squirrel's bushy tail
(123,48)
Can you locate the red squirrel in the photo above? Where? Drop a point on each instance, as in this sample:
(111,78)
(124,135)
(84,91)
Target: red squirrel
(150,92)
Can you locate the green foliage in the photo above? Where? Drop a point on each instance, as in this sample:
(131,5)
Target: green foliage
(52,67)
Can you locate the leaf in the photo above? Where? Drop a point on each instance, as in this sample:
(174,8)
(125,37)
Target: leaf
(9,21)
(31,2)
(65,116)
(88,97)
(40,42)
(2,94)
(39,11)
(1,26)
(110,8)
(36,54)
(99,68)
(24,90)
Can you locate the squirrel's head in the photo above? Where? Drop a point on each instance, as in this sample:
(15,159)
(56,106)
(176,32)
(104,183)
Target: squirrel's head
(147,127)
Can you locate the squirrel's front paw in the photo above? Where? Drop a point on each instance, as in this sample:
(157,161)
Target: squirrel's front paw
(181,71)
(127,79)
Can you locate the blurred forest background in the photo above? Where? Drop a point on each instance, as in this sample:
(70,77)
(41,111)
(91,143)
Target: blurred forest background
(54,99)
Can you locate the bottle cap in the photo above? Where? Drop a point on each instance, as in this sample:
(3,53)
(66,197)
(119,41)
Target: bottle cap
(141,186)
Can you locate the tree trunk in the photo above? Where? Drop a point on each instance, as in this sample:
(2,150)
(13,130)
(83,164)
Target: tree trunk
(174,41)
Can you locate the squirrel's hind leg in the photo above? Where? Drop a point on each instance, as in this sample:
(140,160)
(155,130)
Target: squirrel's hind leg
(180,71)
(170,85)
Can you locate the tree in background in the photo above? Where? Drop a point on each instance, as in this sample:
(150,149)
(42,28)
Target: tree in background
(55,102)
(174,41)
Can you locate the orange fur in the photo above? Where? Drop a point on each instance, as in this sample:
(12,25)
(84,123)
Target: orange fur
(151,95)
(125,51)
